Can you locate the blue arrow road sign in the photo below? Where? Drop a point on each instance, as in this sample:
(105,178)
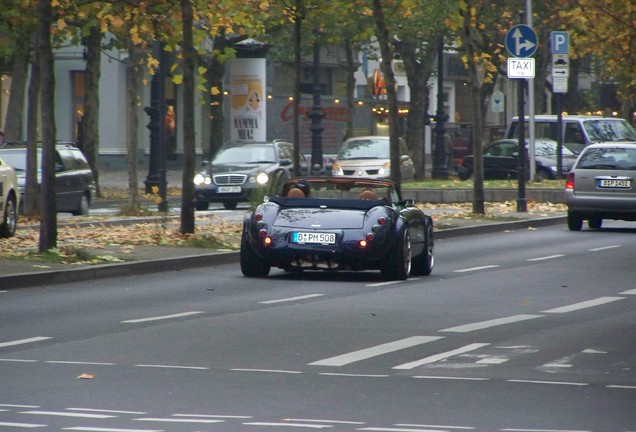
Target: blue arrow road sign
(521,41)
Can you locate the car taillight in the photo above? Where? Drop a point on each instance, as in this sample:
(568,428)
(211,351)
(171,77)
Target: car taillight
(569,181)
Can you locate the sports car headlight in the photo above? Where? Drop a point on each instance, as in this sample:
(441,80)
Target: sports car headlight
(262,178)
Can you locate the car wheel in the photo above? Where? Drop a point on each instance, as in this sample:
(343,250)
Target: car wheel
(595,222)
(398,264)
(9,219)
(251,264)
(541,175)
(575,221)
(423,263)
(82,207)
(202,205)
(463,173)
(230,205)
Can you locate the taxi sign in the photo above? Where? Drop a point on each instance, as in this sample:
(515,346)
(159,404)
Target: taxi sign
(520,67)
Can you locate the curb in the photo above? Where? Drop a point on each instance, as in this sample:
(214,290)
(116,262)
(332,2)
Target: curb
(104,271)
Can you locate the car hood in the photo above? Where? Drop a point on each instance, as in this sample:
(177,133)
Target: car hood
(361,163)
(239,168)
(309,218)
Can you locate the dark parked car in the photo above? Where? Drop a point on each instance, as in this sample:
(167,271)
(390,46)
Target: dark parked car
(338,223)
(239,169)
(74,181)
(501,160)
(602,185)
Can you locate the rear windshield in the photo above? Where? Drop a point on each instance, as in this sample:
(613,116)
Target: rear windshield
(608,158)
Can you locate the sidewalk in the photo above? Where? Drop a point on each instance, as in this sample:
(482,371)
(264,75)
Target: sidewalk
(450,221)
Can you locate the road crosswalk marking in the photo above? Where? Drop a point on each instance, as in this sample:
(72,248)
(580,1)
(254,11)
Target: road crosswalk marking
(377,350)
(441,356)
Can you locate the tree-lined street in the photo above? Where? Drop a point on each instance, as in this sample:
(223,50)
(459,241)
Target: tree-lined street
(525,330)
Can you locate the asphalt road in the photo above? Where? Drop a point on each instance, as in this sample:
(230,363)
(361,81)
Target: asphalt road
(531,330)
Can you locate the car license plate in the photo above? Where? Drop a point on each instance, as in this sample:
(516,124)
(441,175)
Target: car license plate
(314,237)
(228,189)
(615,183)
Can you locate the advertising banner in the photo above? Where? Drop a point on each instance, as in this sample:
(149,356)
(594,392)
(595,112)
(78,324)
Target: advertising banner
(248,111)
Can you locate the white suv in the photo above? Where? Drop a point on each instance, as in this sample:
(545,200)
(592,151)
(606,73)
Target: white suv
(579,131)
(8,200)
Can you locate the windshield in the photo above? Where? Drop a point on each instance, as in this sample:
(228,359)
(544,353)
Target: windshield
(609,130)
(365,149)
(17,159)
(245,154)
(608,158)
(549,149)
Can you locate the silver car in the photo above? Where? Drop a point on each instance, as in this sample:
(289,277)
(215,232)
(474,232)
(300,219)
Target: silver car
(601,185)
(370,157)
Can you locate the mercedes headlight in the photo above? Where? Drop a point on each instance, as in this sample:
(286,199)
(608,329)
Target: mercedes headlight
(262,178)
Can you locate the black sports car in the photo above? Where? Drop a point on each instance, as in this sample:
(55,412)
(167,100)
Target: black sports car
(335,223)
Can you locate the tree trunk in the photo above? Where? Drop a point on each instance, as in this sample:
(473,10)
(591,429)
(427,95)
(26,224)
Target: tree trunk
(15,108)
(90,120)
(298,19)
(187,196)
(31,190)
(382,33)
(214,74)
(351,87)
(48,224)
(133,81)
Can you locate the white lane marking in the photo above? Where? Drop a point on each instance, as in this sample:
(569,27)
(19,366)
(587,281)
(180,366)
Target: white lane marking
(174,420)
(604,248)
(22,425)
(98,429)
(164,317)
(324,421)
(68,414)
(629,292)
(557,365)
(450,378)
(476,268)
(493,360)
(266,370)
(212,416)
(547,382)
(385,283)
(19,360)
(19,406)
(107,411)
(171,367)
(543,430)
(290,299)
(436,426)
(353,375)
(437,357)
(621,386)
(400,430)
(79,363)
(549,257)
(303,425)
(377,350)
(583,305)
(24,341)
(466,328)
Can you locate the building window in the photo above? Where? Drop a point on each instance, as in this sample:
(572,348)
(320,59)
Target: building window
(307,81)
(78,85)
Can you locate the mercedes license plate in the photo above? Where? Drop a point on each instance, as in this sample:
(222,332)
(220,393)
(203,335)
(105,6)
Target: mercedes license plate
(228,189)
(615,183)
(314,237)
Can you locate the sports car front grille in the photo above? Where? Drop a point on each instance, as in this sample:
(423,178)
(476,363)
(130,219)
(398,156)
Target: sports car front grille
(229,179)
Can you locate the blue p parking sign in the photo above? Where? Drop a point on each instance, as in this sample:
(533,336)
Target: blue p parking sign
(559,42)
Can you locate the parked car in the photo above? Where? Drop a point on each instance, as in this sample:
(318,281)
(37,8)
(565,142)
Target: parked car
(601,185)
(579,131)
(9,199)
(239,169)
(501,160)
(336,223)
(370,157)
(74,180)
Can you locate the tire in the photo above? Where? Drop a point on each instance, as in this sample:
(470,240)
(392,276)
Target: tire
(251,264)
(575,222)
(82,206)
(230,205)
(398,264)
(202,205)
(595,222)
(423,263)
(9,219)
(463,173)
(541,175)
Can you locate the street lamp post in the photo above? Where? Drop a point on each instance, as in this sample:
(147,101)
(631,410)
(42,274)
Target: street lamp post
(316,114)
(440,165)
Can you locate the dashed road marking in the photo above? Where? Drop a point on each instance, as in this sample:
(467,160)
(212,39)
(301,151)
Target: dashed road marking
(466,328)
